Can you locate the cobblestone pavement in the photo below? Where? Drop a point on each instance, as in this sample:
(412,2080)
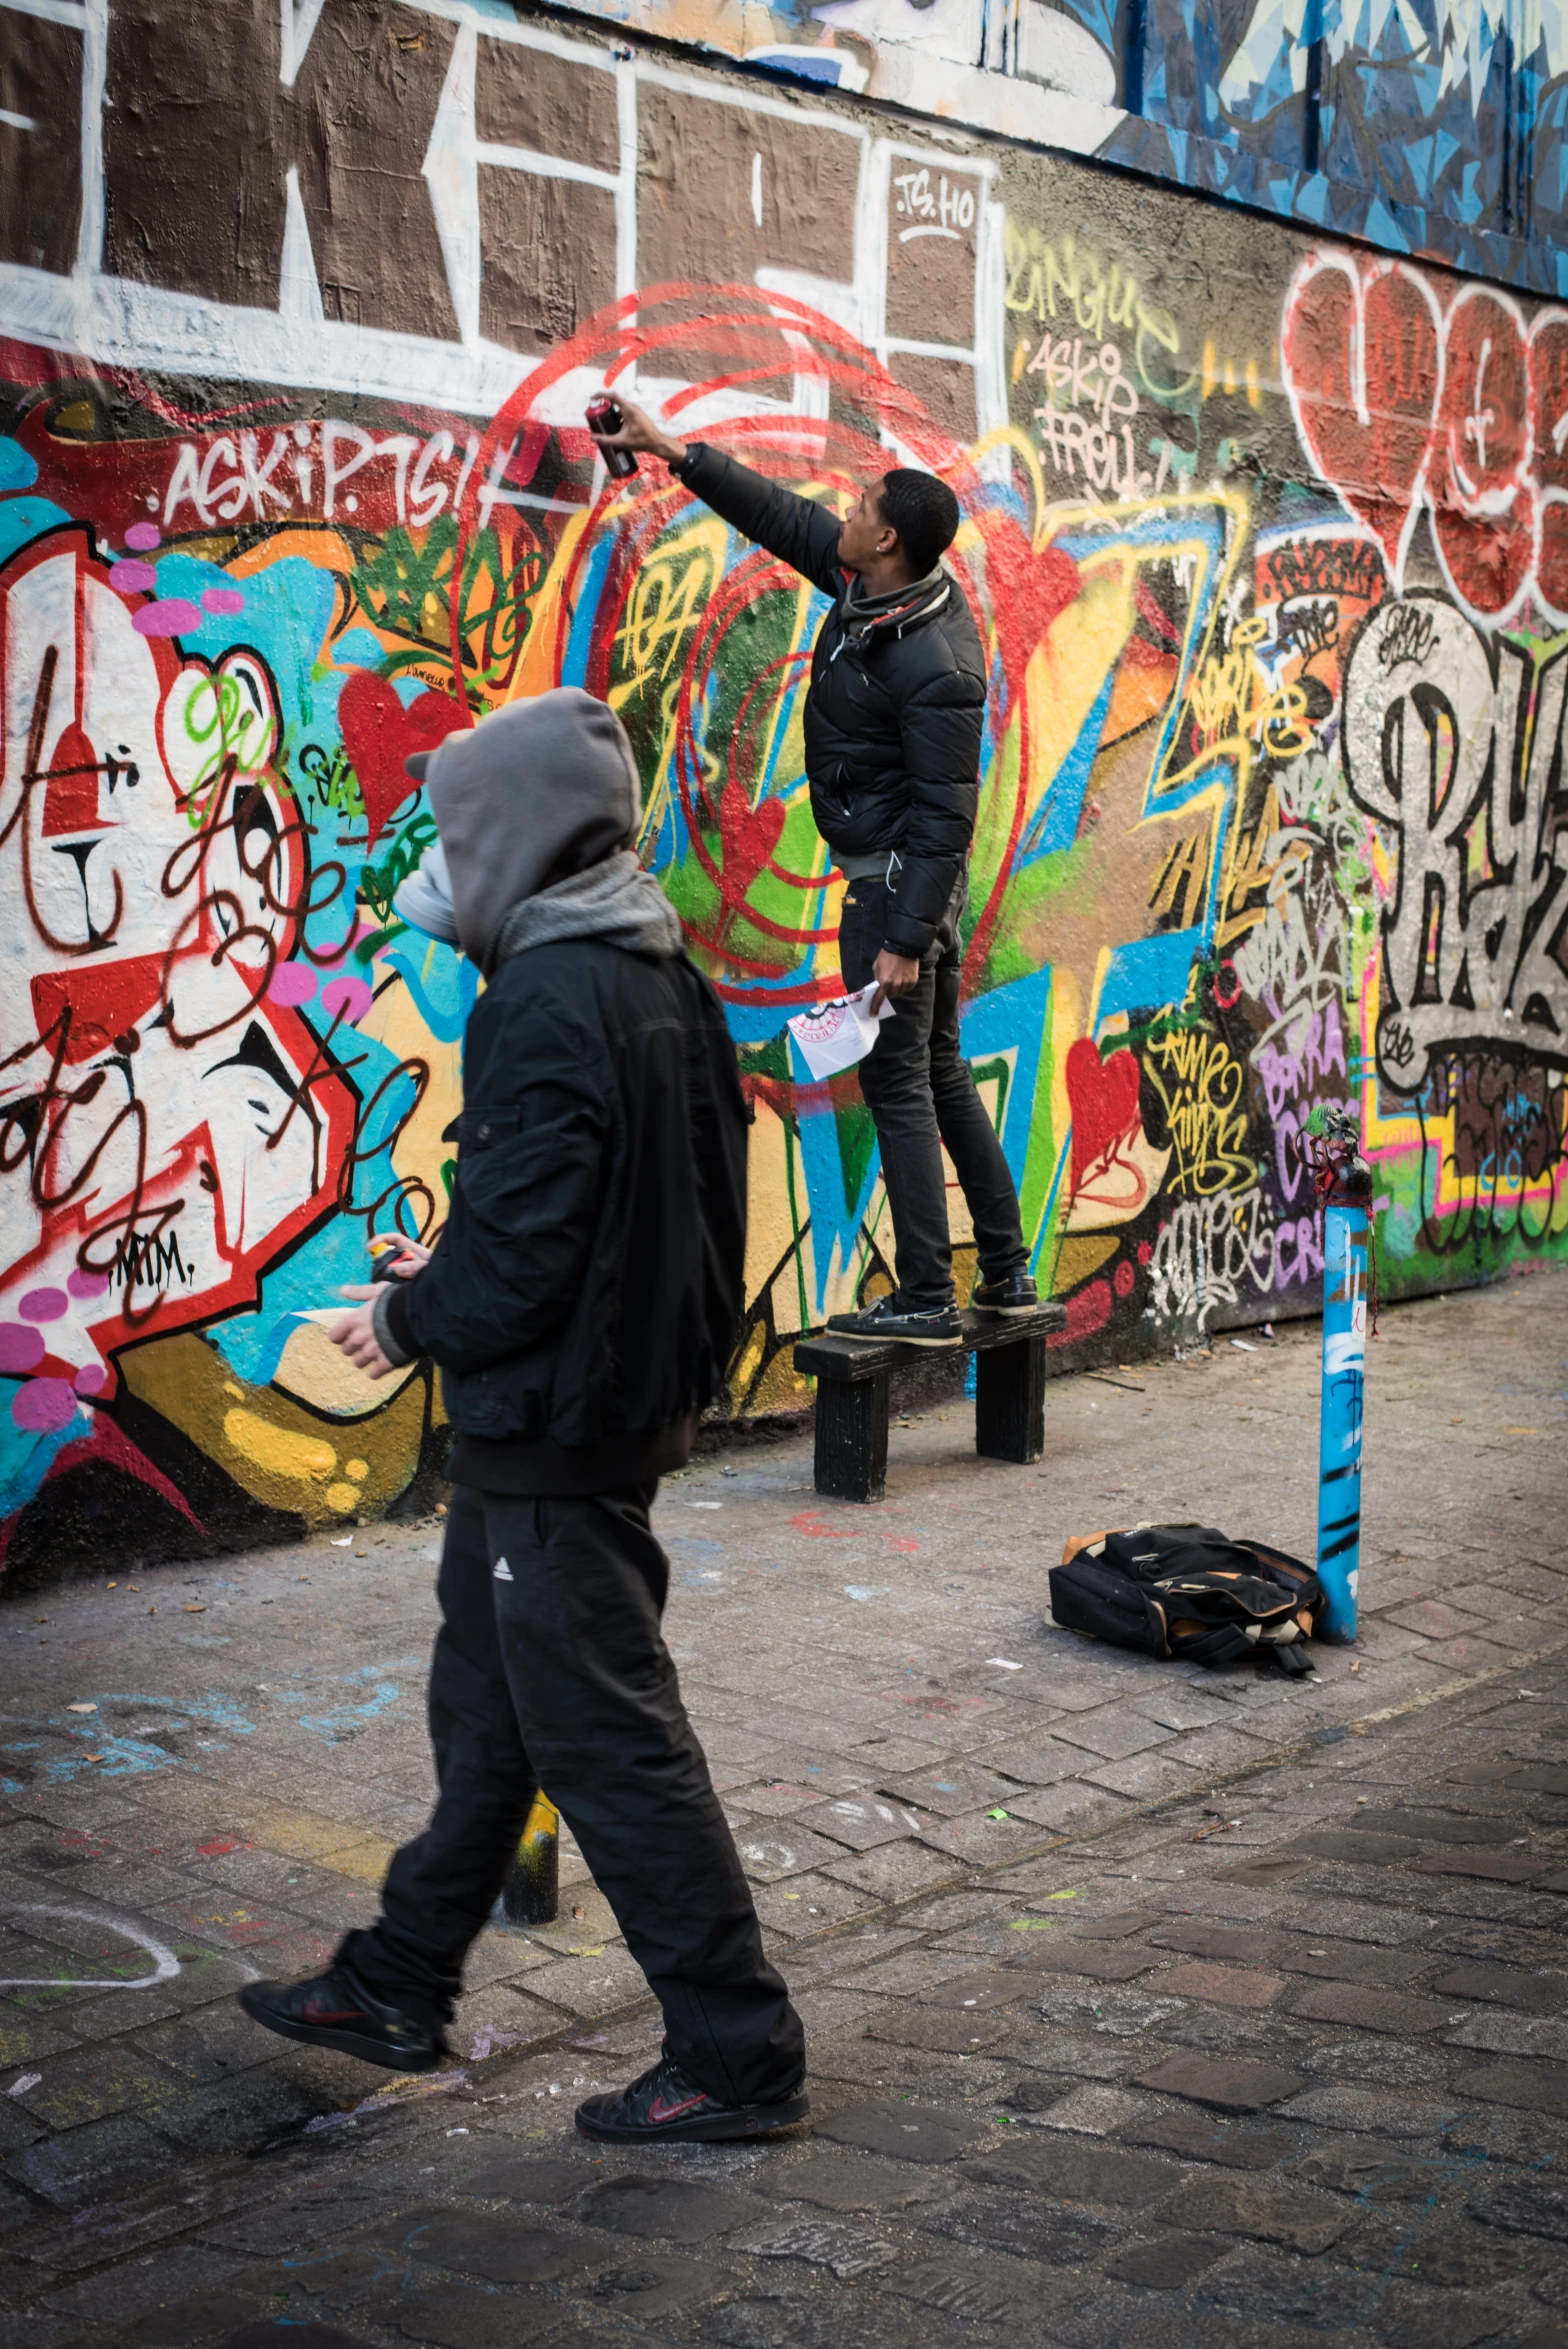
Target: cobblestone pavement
(1144,2004)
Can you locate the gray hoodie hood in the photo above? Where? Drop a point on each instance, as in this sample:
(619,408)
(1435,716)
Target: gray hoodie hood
(531,800)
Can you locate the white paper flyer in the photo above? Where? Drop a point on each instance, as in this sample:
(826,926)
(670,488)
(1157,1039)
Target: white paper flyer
(833,1036)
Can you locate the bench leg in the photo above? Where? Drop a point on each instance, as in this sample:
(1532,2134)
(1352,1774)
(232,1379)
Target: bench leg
(851,1441)
(1010,1401)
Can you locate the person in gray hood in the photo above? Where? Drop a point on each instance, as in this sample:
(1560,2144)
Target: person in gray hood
(582,1302)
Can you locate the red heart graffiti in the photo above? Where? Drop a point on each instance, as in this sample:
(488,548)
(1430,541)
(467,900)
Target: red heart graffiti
(1373,338)
(1103,1097)
(379,734)
(749,836)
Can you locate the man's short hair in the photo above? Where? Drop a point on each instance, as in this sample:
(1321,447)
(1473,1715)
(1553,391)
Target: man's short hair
(923,511)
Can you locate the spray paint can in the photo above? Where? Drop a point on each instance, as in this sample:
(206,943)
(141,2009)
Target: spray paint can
(531,1894)
(1345,1188)
(604,415)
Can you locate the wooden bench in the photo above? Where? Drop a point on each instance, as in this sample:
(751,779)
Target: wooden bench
(851,1376)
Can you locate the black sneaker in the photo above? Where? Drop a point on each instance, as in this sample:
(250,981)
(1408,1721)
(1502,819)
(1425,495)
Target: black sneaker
(336,2010)
(665,2104)
(1015,1292)
(887,1322)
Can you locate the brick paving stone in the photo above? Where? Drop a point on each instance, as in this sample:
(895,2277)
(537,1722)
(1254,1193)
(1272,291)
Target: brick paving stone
(804,1904)
(645,2288)
(1073,2173)
(1445,1827)
(1233,2086)
(1166,2263)
(1355,1848)
(1295,2217)
(977,1993)
(894,1872)
(978,1840)
(1070,1807)
(1221,1985)
(861,1824)
(1200,2136)
(1532,2087)
(1027,2227)
(443,2316)
(1541,1994)
(1347,1961)
(905,2025)
(991,2290)
(1115,1732)
(677,2210)
(1501,1867)
(1368,2009)
(907,2131)
(1233,1945)
(1143,1777)
(950,1791)
(838,2179)
(1120,1925)
(1432,1619)
(1092,2111)
(1101,1963)
(1035,1760)
(1343,2105)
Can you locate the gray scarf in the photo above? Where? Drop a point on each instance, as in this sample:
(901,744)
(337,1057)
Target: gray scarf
(614,900)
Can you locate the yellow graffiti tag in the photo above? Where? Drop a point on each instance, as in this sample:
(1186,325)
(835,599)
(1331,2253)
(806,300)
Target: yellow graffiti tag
(1046,277)
(1201,1085)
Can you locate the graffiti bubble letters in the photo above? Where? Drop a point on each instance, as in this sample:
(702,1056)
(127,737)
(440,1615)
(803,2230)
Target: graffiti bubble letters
(1459,755)
(1401,406)
(306,471)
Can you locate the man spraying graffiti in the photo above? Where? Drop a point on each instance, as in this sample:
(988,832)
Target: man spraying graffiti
(893,722)
(582,1301)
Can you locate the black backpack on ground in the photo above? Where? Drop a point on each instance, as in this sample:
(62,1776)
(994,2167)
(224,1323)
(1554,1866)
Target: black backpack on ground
(1188,1591)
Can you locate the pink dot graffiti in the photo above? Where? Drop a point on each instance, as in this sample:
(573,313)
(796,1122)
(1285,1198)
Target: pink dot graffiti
(292,983)
(133,578)
(351,997)
(91,1379)
(43,1406)
(21,1349)
(223,602)
(87,1284)
(43,1305)
(166,619)
(143,536)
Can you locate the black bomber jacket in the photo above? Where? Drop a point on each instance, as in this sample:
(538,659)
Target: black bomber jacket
(895,711)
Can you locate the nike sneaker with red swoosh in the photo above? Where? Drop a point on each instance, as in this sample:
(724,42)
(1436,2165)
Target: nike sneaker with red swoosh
(336,2010)
(665,2104)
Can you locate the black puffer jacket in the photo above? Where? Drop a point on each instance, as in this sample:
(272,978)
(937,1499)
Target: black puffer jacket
(895,711)
(586,1293)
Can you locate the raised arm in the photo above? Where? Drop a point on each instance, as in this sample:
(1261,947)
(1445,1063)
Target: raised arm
(796,529)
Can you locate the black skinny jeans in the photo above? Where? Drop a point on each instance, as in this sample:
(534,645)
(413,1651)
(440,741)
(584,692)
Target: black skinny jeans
(918,1088)
(557,1671)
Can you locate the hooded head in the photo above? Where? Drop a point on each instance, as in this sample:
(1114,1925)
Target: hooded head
(534,793)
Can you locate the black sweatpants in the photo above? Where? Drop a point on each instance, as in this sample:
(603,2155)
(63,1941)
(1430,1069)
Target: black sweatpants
(550,1668)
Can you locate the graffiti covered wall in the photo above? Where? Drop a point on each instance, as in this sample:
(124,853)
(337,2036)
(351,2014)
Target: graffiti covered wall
(1436,128)
(1268,542)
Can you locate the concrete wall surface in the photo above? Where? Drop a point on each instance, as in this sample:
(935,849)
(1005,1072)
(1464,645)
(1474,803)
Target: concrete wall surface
(1267,539)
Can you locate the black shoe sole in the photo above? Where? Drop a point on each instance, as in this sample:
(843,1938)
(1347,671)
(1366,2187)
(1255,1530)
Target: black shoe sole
(747,2120)
(370,2051)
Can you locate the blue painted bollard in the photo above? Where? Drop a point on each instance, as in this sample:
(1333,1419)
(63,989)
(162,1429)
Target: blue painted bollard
(1345,1226)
